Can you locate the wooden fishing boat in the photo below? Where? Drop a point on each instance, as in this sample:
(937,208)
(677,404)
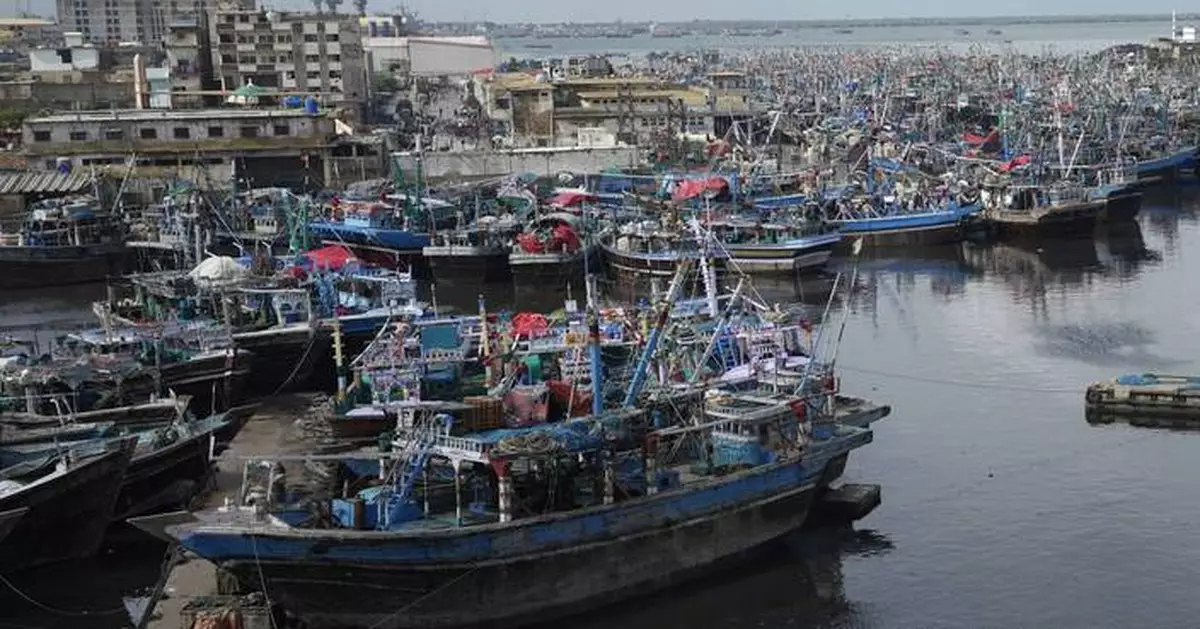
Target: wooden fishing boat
(1030,210)
(648,250)
(68,506)
(551,249)
(480,251)
(61,245)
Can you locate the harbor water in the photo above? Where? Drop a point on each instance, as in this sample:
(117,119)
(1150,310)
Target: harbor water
(1002,506)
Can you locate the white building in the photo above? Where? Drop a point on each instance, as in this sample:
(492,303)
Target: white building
(430,56)
(76,56)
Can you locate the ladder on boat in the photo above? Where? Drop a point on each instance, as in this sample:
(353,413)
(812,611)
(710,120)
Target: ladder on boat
(417,445)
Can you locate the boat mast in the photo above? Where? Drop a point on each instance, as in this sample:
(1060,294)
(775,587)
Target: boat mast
(664,310)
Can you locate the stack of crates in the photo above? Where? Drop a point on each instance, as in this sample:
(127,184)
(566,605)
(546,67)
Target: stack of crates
(486,413)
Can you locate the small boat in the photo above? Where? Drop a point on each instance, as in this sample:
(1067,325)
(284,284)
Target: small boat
(843,31)
(381,233)
(647,249)
(1151,395)
(995,31)
(69,503)
(61,244)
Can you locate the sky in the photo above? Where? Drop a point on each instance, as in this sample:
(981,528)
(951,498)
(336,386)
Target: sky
(685,10)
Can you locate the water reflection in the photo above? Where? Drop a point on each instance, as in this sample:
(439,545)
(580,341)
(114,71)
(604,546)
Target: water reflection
(796,582)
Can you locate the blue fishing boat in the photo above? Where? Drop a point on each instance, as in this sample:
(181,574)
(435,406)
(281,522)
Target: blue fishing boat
(380,232)
(502,526)
(1168,166)
(890,226)
(774,245)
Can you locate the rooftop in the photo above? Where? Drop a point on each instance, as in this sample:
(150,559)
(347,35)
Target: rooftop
(145,115)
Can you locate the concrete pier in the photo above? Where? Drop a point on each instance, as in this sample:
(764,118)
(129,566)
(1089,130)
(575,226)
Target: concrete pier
(192,584)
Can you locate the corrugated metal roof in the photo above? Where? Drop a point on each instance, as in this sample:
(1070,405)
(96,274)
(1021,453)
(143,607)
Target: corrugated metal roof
(44,183)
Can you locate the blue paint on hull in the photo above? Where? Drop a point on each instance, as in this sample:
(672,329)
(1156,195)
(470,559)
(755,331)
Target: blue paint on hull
(940,219)
(397,239)
(1167,165)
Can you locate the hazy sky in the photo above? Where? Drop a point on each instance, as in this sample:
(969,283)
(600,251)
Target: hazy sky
(684,10)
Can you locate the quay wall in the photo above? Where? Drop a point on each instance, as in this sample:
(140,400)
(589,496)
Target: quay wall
(539,161)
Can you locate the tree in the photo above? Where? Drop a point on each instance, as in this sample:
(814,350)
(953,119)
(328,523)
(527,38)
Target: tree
(385,82)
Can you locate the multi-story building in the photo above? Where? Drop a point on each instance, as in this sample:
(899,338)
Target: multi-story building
(142,21)
(542,111)
(270,146)
(318,54)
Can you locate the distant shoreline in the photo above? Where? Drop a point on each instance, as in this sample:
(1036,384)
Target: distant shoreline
(866,22)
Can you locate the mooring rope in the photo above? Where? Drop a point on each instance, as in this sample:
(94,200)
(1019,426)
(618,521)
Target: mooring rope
(960,383)
(55,610)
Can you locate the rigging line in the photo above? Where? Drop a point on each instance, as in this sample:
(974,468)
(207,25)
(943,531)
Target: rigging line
(422,598)
(54,610)
(958,383)
(262,579)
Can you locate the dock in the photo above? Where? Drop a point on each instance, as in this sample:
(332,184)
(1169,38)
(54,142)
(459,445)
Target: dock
(192,594)
(1146,400)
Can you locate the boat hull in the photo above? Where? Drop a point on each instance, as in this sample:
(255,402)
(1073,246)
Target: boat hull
(629,265)
(556,268)
(1064,220)
(66,516)
(786,258)
(283,359)
(513,573)
(536,588)
(1123,207)
(475,263)
(41,267)
(165,478)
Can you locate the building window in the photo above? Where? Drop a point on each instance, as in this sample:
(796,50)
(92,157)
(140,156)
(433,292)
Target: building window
(225,38)
(228,59)
(282,129)
(331,38)
(289,75)
(312,58)
(148,134)
(114,134)
(247,59)
(265,39)
(310,38)
(334,74)
(335,58)
(249,132)
(244,19)
(313,75)
(216,132)
(182,133)
(230,19)
(41,136)
(284,39)
(51,164)
(78,136)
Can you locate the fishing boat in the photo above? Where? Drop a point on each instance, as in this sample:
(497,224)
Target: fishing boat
(470,527)
(60,244)
(552,248)
(380,232)
(9,519)
(68,501)
(1032,210)
(653,249)
(774,246)
(886,224)
(479,251)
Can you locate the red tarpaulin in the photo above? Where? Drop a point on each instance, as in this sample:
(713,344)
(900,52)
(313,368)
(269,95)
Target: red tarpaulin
(692,188)
(563,394)
(979,140)
(1019,160)
(569,199)
(563,238)
(333,257)
(529,324)
(530,243)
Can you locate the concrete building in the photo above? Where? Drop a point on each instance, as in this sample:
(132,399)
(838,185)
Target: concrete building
(430,56)
(141,21)
(271,147)
(541,111)
(319,54)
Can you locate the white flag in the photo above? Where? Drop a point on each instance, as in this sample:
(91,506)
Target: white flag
(856,248)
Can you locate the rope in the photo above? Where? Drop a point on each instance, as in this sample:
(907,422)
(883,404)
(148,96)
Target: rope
(422,598)
(262,579)
(300,363)
(958,383)
(54,610)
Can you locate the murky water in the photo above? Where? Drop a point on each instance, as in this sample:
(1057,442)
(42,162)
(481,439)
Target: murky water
(1002,506)
(1023,38)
